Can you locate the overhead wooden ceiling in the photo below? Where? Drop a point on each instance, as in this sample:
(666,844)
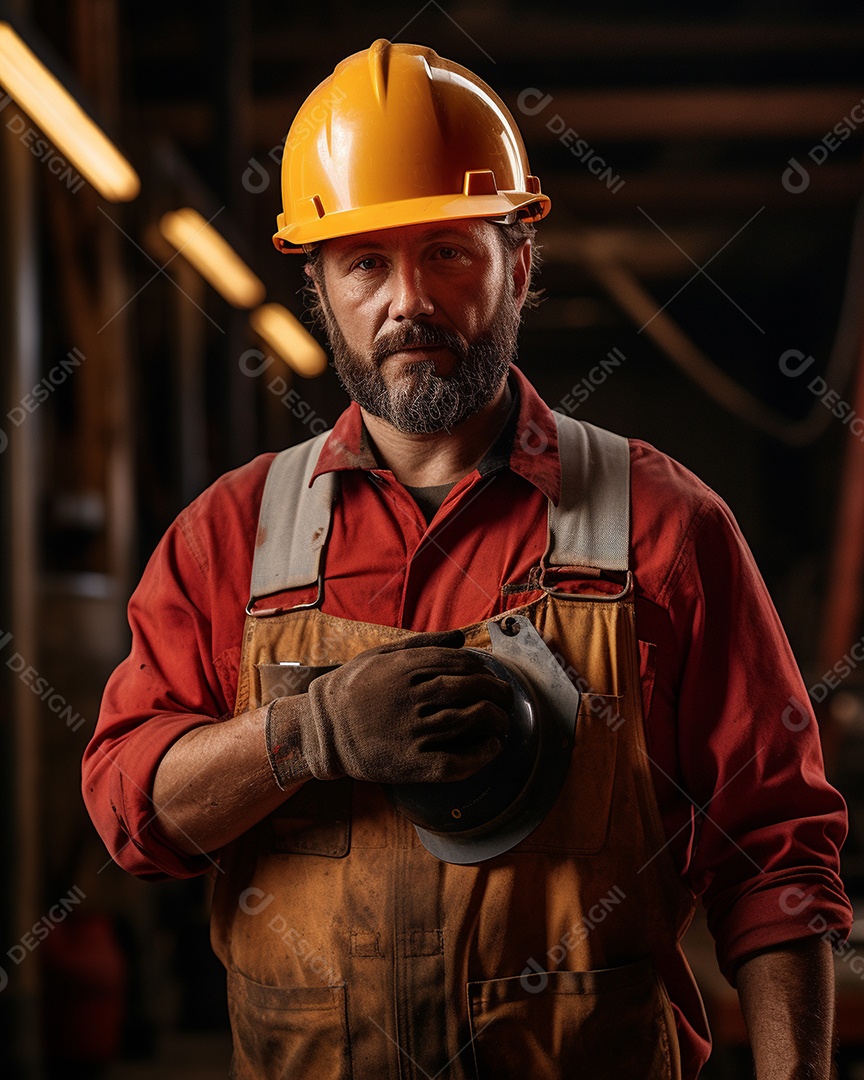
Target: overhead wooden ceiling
(697,118)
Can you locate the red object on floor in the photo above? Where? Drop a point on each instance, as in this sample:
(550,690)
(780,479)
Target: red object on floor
(85,979)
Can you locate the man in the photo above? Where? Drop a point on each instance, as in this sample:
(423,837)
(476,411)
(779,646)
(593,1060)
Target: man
(448,495)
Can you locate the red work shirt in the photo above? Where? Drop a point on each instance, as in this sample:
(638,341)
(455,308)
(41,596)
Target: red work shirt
(752,823)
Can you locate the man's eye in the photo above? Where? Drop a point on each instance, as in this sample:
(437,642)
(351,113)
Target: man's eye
(448,253)
(368,263)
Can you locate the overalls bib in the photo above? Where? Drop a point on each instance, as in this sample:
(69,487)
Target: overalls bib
(353,952)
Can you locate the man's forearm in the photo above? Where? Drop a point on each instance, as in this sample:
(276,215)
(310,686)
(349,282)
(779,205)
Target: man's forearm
(216,782)
(787,996)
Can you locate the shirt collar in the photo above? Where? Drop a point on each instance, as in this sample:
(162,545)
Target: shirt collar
(533,451)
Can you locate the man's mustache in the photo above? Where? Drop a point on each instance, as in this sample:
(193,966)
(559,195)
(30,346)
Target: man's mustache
(417,333)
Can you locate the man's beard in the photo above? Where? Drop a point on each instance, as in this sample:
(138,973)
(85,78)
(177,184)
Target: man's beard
(419,401)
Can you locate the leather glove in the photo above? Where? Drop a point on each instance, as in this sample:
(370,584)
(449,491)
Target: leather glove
(422,710)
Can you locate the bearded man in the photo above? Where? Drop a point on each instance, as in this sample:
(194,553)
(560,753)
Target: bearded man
(311,747)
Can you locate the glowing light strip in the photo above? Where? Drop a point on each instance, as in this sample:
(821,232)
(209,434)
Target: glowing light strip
(290,339)
(53,109)
(212,256)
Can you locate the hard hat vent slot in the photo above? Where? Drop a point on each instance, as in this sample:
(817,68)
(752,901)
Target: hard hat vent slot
(479,182)
(310,209)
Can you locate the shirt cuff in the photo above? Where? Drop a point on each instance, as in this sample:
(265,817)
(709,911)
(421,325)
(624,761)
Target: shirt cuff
(811,904)
(122,773)
(147,853)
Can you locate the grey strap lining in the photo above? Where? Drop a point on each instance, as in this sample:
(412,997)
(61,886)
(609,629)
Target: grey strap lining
(294,521)
(590,526)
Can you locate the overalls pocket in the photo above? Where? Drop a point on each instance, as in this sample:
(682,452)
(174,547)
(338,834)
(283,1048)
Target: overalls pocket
(281,1033)
(607,1024)
(285,680)
(316,820)
(578,823)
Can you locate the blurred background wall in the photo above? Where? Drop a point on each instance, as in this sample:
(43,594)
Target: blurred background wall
(704,281)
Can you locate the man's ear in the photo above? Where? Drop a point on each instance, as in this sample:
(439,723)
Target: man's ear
(313,283)
(521,273)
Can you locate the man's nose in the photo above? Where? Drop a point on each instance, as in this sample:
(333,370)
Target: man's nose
(409,293)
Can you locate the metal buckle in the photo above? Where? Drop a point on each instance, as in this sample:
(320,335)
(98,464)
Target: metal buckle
(552,591)
(266,613)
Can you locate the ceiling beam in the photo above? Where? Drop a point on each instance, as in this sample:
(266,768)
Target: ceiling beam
(685,190)
(640,114)
(571,39)
(692,112)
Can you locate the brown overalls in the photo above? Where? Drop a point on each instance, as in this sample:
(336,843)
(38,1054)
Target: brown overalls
(353,952)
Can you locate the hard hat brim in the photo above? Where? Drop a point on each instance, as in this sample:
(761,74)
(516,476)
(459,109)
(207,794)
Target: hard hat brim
(290,239)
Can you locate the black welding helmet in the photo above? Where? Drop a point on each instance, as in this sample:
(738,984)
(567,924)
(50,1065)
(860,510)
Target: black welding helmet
(487,814)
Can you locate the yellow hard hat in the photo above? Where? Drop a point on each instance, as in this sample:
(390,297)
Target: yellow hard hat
(399,136)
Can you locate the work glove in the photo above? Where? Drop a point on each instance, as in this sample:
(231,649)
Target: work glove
(419,711)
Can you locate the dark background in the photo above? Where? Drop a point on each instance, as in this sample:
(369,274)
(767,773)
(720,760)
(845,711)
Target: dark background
(696,114)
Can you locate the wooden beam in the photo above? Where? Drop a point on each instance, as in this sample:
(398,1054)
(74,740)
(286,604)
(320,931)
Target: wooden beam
(691,112)
(625,115)
(643,251)
(576,192)
(567,39)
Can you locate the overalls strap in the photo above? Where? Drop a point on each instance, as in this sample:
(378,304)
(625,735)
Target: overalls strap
(294,521)
(590,526)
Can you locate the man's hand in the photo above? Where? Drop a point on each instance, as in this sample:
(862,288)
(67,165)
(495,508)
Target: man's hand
(787,996)
(422,710)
